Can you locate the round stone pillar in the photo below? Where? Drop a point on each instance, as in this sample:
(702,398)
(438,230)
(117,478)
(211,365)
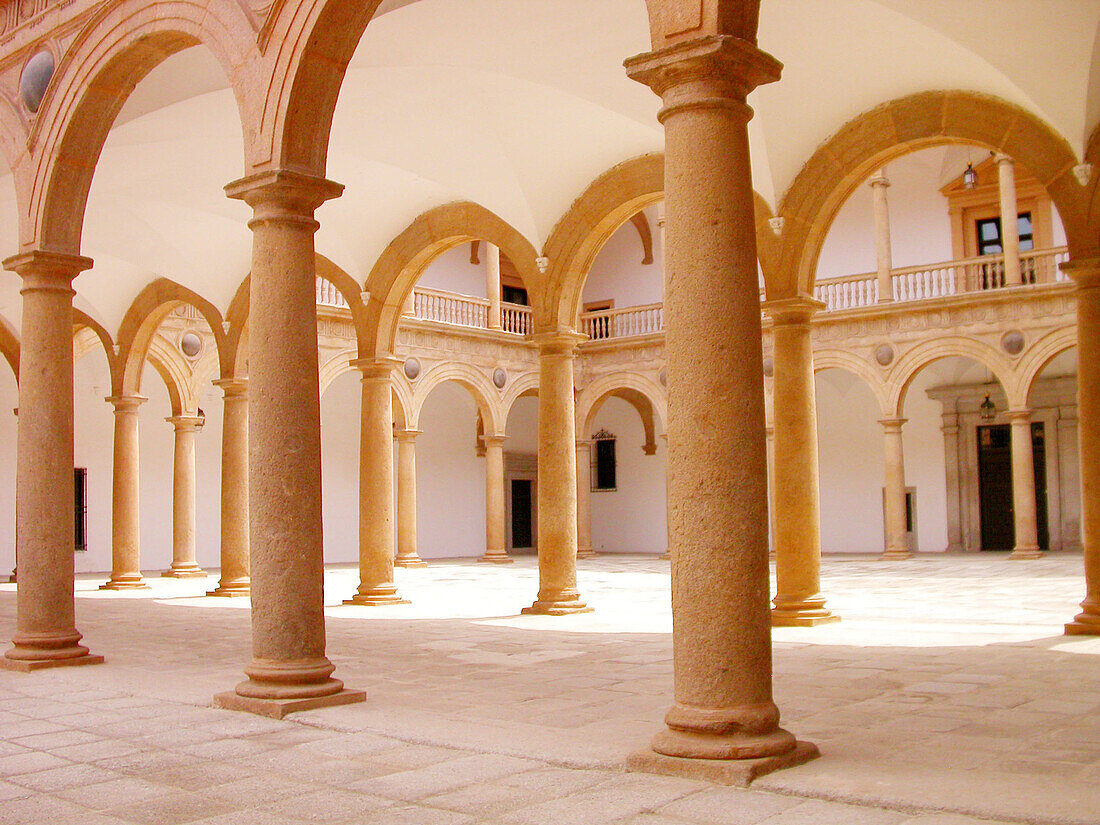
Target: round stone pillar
(950,430)
(897,544)
(718,500)
(1023,488)
(289,670)
(584,500)
(492,283)
(234,489)
(46,634)
(557,469)
(407,555)
(495,547)
(376,551)
(184,565)
(1086,275)
(798,601)
(1010,230)
(126,499)
(883,254)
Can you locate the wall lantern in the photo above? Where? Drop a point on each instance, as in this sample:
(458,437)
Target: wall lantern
(970,177)
(987,409)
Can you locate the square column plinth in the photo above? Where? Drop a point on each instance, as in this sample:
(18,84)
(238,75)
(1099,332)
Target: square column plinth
(278,708)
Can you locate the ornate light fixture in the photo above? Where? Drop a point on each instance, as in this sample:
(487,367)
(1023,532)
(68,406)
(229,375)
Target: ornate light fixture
(987,409)
(970,177)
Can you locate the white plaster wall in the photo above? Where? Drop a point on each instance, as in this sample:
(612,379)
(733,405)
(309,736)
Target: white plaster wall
(522,427)
(340,468)
(94,442)
(630,519)
(9,400)
(453,272)
(618,272)
(922,443)
(156,452)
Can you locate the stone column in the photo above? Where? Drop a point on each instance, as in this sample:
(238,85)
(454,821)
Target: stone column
(1070,478)
(492,283)
(897,545)
(289,670)
(950,431)
(45,634)
(183,498)
(557,469)
(1023,488)
(495,524)
(1086,275)
(584,500)
(718,500)
(883,254)
(1010,230)
(798,601)
(125,501)
(769,435)
(407,556)
(376,585)
(234,490)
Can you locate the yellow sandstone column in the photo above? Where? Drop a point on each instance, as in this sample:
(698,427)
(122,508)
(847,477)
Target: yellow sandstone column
(1023,488)
(234,545)
(125,501)
(883,254)
(495,546)
(718,500)
(407,555)
(492,283)
(376,585)
(584,500)
(289,670)
(183,499)
(897,546)
(557,469)
(46,634)
(1010,230)
(798,601)
(1086,275)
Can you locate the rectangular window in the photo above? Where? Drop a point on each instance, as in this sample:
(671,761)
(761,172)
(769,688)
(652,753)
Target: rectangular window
(513,295)
(605,464)
(989,234)
(80,482)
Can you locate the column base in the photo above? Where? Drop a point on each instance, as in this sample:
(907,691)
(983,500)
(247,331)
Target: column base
(667,555)
(790,611)
(1026,553)
(278,708)
(586,553)
(409,561)
(378,596)
(125,581)
(31,651)
(557,607)
(14,577)
(737,772)
(184,571)
(496,558)
(1085,623)
(895,555)
(230,588)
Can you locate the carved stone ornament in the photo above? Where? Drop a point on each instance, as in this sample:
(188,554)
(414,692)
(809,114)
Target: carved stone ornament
(500,378)
(35,78)
(1012,342)
(190,344)
(884,354)
(412,368)
(603,435)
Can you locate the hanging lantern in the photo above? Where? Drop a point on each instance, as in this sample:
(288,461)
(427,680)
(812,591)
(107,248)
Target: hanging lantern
(987,409)
(970,177)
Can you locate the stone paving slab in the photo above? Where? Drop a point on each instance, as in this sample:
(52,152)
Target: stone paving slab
(947,694)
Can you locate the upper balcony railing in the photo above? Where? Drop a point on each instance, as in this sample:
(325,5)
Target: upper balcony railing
(623,323)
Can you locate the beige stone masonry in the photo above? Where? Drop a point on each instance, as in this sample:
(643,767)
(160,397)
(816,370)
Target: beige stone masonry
(183,498)
(125,506)
(407,555)
(234,490)
(495,523)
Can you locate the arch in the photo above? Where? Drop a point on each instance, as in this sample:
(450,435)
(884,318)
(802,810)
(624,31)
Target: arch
(9,346)
(901,126)
(120,45)
(409,254)
(144,317)
(176,374)
(237,333)
(334,367)
(641,392)
(348,288)
(524,385)
(1036,359)
(859,367)
(469,377)
(920,356)
(83,321)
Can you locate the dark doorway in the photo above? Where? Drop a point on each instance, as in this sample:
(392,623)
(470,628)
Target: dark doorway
(995,486)
(521,514)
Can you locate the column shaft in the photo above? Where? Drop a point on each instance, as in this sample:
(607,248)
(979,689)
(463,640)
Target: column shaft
(234,490)
(1023,488)
(495,544)
(584,499)
(407,555)
(718,501)
(1010,230)
(492,283)
(183,499)
(557,469)
(951,468)
(897,544)
(126,499)
(46,633)
(883,253)
(797,498)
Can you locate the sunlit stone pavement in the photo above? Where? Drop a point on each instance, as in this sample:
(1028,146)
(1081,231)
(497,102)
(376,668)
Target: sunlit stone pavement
(947,695)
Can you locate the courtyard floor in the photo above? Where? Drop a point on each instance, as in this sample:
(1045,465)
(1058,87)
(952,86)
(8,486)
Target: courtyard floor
(946,696)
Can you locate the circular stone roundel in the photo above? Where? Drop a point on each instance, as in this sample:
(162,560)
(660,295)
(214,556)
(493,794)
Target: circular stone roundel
(884,354)
(35,78)
(190,344)
(769,366)
(412,368)
(500,378)
(1012,342)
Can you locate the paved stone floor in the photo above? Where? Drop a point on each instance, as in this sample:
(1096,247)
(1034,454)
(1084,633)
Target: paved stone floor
(947,696)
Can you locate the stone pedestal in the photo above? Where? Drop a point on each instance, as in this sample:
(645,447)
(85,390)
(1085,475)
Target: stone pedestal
(718,501)
(798,601)
(557,493)
(125,501)
(46,634)
(234,544)
(496,550)
(288,621)
(1086,275)
(897,544)
(183,499)
(1023,488)
(584,500)
(407,555)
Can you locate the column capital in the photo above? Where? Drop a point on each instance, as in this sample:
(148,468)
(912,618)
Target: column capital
(233,387)
(126,403)
(879,179)
(790,311)
(558,341)
(717,71)
(186,423)
(1022,414)
(1000,158)
(47,270)
(376,368)
(494,440)
(406,434)
(584,443)
(287,190)
(1084,272)
(892,425)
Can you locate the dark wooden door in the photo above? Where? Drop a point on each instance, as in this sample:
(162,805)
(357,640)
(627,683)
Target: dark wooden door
(521,513)
(995,486)
(1039,448)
